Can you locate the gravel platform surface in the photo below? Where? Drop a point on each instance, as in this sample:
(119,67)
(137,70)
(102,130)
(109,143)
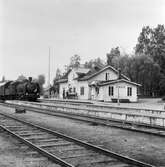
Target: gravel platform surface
(143,147)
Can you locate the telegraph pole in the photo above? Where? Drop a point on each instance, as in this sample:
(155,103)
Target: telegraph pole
(118,91)
(49,73)
(118,96)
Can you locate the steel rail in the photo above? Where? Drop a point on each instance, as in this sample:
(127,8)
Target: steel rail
(40,150)
(79,142)
(95,120)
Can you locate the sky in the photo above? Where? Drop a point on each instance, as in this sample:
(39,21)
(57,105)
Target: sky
(89,28)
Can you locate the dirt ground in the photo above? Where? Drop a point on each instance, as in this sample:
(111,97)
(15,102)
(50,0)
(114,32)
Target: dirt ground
(15,154)
(143,147)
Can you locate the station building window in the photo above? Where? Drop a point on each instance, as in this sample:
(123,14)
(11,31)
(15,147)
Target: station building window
(63,93)
(129,91)
(106,76)
(82,90)
(111,90)
(97,90)
(74,89)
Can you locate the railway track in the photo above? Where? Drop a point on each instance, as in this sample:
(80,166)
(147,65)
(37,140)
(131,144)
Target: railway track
(62,149)
(15,153)
(136,127)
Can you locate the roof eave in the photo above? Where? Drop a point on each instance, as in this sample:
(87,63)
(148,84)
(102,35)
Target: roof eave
(112,82)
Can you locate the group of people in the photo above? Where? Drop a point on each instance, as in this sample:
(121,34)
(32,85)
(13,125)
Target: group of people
(69,94)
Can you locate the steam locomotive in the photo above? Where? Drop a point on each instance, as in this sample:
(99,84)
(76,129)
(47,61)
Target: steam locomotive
(20,90)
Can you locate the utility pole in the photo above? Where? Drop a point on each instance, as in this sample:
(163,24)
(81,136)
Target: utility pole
(118,98)
(49,73)
(118,85)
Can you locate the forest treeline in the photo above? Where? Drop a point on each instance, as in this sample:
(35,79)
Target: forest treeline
(145,66)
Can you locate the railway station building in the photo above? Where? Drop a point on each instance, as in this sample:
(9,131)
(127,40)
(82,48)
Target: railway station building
(102,84)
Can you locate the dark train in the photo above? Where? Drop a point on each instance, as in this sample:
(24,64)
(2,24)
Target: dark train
(20,90)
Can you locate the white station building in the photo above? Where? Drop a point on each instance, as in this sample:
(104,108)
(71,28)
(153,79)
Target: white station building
(102,84)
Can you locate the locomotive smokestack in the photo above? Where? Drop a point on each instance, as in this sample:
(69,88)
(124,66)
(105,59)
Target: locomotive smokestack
(30,79)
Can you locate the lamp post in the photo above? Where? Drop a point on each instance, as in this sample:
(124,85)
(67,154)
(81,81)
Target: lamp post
(118,96)
(119,77)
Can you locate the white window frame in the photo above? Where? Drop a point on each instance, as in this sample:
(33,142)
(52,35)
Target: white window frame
(82,90)
(107,76)
(129,91)
(111,90)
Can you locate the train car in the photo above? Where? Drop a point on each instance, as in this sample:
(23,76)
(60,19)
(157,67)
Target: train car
(7,90)
(13,92)
(2,91)
(21,90)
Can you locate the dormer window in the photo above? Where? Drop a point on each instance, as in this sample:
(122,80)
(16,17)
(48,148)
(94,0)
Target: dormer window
(106,76)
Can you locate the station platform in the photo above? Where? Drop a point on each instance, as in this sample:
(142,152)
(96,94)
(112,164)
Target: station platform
(144,103)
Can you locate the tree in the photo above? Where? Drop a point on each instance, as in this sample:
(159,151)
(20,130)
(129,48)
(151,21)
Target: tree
(75,61)
(144,41)
(113,56)
(145,71)
(124,63)
(93,62)
(151,42)
(21,78)
(162,84)
(58,74)
(119,61)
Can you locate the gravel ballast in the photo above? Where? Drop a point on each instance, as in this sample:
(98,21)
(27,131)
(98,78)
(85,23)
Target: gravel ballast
(13,153)
(143,147)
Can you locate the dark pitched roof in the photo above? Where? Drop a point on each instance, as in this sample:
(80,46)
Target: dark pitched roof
(62,80)
(6,83)
(94,73)
(86,73)
(80,71)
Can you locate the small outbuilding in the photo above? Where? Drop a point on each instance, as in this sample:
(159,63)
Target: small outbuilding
(112,90)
